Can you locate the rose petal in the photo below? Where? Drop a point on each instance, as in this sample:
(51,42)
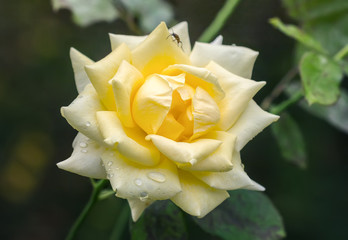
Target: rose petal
(125,84)
(251,122)
(131,41)
(157,52)
(239,91)
(221,159)
(137,207)
(206,113)
(238,60)
(183,152)
(132,181)
(218,40)
(197,198)
(80,114)
(134,147)
(198,77)
(79,61)
(231,180)
(102,71)
(153,101)
(85,159)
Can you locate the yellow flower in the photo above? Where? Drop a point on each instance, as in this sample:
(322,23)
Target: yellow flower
(163,122)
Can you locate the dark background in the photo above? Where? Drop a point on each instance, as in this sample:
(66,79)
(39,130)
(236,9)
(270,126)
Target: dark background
(39,201)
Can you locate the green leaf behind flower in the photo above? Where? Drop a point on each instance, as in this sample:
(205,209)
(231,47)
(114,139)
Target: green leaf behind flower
(161,220)
(320,78)
(246,215)
(290,140)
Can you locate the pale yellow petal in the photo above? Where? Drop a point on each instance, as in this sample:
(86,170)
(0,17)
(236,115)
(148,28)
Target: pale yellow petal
(181,29)
(251,122)
(132,181)
(183,152)
(198,77)
(197,198)
(153,101)
(218,40)
(137,207)
(238,92)
(133,147)
(131,41)
(221,159)
(125,84)
(102,71)
(85,159)
(238,60)
(231,180)
(157,52)
(80,114)
(79,61)
(206,113)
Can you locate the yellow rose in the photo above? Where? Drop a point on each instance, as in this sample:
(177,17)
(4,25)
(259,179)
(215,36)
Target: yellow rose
(163,122)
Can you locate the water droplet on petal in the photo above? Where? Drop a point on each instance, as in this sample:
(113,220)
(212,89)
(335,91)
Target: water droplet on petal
(143,196)
(84,150)
(157,177)
(88,124)
(242,165)
(138,182)
(110,163)
(83,144)
(109,175)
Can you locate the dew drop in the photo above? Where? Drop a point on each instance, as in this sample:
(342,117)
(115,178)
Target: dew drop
(143,196)
(110,175)
(110,163)
(138,182)
(242,165)
(83,144)
(84,150)
(88,124)
(157,177)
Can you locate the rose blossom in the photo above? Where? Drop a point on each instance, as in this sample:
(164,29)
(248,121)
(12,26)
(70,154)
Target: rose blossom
(163,122)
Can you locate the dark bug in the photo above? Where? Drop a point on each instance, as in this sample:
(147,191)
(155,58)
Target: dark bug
(176,38)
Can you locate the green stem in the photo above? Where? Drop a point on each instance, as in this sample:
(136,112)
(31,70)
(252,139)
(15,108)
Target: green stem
(97,188)
(123,218)
(341,53)
(219,21)
(285,104)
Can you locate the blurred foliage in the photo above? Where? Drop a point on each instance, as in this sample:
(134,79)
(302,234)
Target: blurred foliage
(38,201)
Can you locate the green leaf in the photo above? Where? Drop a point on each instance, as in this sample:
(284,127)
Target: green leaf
(320,78)
(161,220)
(296,33)
(88,12)
(290,140)
(246,215)
(314,9)
(151,13)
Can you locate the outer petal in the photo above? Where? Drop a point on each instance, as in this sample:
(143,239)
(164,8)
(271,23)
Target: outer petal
(239,91)
(231,180)
(137,207)
(181,29)
(80,114)
(157,52)
(221,159)
(238,60)
(79,61)
(197,198)
(218,40)
(252,121)
(135,148)
(125,83)
(182,152)
(153,101)
(198,77)
(131,41)
(132,181)
(85,159)
(206,113)
(102,71)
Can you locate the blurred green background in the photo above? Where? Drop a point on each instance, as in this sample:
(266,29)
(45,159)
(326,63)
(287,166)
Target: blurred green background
(39,201)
